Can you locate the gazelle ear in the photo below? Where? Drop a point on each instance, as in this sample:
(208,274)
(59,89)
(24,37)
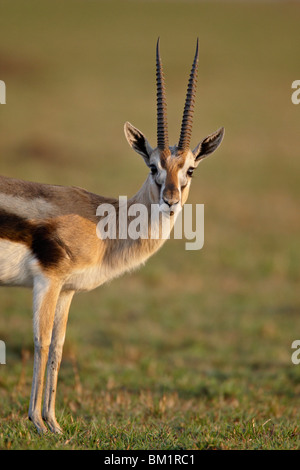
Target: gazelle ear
(138,141)
(208,145)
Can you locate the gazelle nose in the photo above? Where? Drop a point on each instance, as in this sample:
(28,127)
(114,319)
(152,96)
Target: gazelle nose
(170,202)
(171,195)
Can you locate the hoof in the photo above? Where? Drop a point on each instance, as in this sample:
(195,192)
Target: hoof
(38,422)
(53,425)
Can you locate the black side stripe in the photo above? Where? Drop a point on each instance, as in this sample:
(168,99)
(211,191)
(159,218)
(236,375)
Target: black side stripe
(40,237)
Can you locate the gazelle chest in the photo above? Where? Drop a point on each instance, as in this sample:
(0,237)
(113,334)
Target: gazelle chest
(85,279)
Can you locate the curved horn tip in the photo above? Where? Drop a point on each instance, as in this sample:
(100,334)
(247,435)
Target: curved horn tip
(157,45)
(197,48)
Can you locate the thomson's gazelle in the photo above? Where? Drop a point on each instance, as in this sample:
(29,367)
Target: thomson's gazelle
(48,238)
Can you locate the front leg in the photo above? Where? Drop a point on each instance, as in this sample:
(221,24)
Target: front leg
(54,359)
(45,295)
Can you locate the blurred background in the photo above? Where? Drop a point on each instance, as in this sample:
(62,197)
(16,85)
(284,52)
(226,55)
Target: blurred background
(202,334)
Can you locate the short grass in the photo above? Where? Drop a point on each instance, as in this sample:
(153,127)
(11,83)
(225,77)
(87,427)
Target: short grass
(193,351)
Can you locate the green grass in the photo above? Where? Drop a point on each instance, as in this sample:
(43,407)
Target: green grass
(193,351)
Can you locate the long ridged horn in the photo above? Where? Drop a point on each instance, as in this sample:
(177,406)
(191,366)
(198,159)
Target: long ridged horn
(187,119)
(162,124)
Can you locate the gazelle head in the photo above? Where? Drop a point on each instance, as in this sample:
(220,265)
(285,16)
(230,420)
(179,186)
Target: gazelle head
(171,168)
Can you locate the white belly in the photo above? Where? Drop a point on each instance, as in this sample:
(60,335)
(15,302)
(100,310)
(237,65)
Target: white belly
(15,264)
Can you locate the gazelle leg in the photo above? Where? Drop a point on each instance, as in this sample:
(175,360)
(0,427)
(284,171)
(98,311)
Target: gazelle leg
(45,295)
(54,358)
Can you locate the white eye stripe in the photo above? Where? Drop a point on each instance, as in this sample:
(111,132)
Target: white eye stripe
(184,180)
(155,161)
(161,177)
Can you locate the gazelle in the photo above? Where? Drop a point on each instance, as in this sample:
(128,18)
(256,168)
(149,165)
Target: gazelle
(49,242)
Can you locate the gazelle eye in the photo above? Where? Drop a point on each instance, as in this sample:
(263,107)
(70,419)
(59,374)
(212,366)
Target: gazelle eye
(190,171)
(153,169)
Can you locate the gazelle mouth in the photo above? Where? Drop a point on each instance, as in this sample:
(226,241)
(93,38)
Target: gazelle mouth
(167,210)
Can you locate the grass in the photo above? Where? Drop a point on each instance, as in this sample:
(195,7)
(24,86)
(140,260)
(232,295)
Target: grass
(193,351)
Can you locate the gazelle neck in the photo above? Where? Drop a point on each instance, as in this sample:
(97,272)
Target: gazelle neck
(131,249)
(158,225)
